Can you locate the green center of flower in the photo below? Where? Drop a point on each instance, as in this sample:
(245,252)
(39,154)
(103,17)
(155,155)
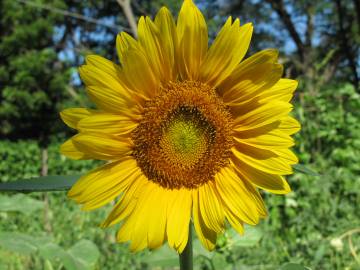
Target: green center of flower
(186,137)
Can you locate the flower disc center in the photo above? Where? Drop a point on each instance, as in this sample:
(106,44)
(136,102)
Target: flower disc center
(184,137)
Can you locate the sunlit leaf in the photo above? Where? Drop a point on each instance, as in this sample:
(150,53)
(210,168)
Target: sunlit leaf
(51,251)
(219,262)
(162,257)
(250,238)
(82,256)
(21,243)
(48,265)
(19,203)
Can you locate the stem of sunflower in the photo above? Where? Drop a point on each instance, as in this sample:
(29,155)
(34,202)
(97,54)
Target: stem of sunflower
(186,257)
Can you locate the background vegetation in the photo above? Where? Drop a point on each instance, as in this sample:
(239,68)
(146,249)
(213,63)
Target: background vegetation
(317,225)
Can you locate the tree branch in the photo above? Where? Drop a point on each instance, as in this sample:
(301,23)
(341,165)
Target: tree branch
(279,8)
(70,14)
(126,7)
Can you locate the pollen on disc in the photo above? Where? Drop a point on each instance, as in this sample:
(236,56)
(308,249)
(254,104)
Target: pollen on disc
(184,137)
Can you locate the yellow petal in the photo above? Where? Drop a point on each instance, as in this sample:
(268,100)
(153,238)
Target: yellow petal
(109,100)
(254,132)
(274,139)
(211,208)
(98,76)
(260,159)
(107,123)
(263,115)
(169,42)
(105,186)
(255,74)
(289,125)
(269,182)
(135,227)
(105,65)
(94,176)
(102,87)
(193,40)
(178,218)
(234,220)
(149,39)
(102,147)
(286,155)
(236,196)
(124,42)
(72,116)
(206,236)
(70,150)
(138,74)
(253,81)
(255,196)
(228,49)
(157,222)
(146,226)
(283,90)
(126,204)
(142,215)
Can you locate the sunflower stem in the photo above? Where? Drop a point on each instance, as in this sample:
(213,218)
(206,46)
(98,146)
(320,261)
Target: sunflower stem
(186,257)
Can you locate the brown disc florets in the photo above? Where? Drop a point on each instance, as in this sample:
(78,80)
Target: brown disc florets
(184,138)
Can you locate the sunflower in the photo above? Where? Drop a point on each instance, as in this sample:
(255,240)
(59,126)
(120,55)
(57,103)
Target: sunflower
(188,132)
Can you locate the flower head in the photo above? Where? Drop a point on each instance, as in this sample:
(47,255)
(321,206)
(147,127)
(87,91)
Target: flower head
(188,131)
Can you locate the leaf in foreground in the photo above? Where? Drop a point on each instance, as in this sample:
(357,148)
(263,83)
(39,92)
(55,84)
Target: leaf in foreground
(251,237)
(43,183)
(81,256)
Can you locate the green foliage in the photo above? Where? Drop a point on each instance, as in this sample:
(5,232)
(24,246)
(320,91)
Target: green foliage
(19,203)
(69,225)
(33,80)
(81,256)
(293,266)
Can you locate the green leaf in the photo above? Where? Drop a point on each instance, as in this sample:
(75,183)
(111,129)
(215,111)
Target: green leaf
(3,266)
(250,238)
(199,250)
(219,262)
(293,266)
(44,183)
(162,257)
(82,256)
(48,265)
(305,170)
(21,243)
(19,203)
(51,251)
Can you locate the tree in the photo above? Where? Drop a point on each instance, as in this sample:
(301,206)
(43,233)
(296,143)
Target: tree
(324,35)
(33,79)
